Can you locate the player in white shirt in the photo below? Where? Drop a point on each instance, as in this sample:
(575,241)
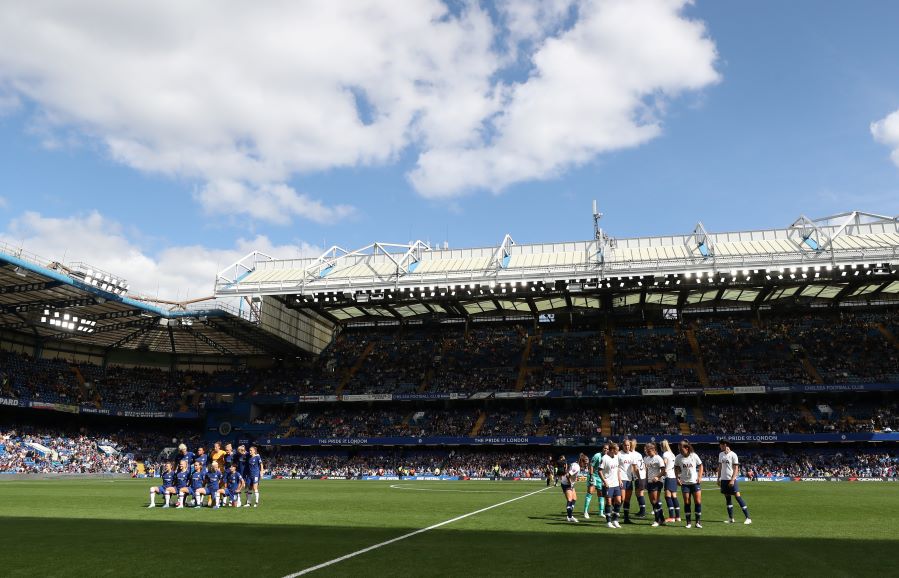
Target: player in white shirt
(655,471)
(689,475)
(639,479)
(567,482)
(610,473)
(626,461)
(728,472)
(670,483)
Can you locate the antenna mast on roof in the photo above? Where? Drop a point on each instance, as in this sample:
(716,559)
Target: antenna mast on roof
(602,240)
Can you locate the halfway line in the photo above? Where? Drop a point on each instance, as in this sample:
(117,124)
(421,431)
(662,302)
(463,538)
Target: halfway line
(409,535)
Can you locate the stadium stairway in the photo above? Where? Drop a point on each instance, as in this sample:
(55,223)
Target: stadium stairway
(355,367)
(888,334)
(685,428)
(523,366)
(528,417)
(700,366)
(429,375)
(807,414)
(811,369)
(82,386)
(610,361)
(476,429)
(606,423)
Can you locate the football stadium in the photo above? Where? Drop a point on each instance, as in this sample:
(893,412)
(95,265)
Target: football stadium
(405,403)
(449,288)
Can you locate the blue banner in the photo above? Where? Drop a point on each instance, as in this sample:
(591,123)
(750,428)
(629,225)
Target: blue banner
(576,441)
(410,441)
(88,409)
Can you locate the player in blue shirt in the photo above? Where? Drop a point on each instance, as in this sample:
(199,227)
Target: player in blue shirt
(233,484)
(243,461)
(183,454)
(182,482)
(198,484)
(254,467)
(201,458)
(213,480)
(167,488)
(229,458)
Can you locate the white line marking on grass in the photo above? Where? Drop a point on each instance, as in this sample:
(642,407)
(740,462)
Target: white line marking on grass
(400,487)
(409,535)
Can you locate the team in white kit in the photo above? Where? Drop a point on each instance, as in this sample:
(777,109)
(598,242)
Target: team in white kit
(616,474)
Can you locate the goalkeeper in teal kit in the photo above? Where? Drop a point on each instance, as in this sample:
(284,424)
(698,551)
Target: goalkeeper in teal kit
(594,483)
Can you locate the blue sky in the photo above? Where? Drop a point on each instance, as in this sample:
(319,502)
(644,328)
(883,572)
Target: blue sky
(767,116)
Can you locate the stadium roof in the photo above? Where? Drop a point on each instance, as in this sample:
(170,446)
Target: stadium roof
(57,302)
(852,255)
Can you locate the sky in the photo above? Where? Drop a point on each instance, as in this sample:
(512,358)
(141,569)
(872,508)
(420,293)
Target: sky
(162,141)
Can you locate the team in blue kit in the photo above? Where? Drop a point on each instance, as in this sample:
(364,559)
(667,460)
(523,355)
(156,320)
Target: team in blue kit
(219,480)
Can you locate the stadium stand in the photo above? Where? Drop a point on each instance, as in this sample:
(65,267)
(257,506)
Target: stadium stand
(468,355)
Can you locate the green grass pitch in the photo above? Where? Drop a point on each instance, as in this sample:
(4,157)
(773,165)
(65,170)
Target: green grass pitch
(101,528)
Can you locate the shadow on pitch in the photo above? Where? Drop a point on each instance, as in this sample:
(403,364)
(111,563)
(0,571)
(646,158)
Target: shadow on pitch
(180,546)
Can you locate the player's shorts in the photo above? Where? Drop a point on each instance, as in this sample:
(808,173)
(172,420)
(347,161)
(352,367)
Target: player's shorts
(613,492)
(231,493)
(162,489)
(691,488)
(566,487)
(670,484)
(212,490)
(654,486)
(728,489)
(627,485)
(640,484)
(253,479)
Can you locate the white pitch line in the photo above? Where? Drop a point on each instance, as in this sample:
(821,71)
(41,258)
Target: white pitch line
(404,536)
(401,487)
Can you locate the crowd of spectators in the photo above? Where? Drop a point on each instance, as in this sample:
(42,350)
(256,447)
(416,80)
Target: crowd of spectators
(822,464)
(463,463)
(28,449)
(491,357)
(736,353)
(651,417)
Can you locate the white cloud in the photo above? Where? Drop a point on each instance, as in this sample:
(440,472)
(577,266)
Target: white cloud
(596,87)
(175,273)
(243,97)
(886,131)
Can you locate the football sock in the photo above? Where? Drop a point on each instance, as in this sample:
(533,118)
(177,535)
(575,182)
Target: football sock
(627,510)
(687,512)
(642,501)
(676,507)
(615,509)
(670,502)
(167,499)
(602,506)
(256,495)
(570,508)
(730,507)
(152,498)
(743,506)
(698,512)
(587,501)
